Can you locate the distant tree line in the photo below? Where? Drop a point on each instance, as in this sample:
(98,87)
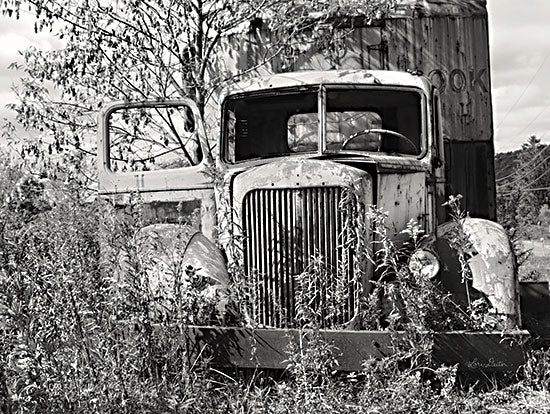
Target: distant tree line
(523,188)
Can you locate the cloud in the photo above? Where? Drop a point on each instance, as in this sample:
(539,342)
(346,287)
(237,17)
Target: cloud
(520,60)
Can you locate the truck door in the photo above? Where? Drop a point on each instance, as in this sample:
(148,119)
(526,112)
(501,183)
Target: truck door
(159,151)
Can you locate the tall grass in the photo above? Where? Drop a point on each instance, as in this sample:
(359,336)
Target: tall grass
(82,332)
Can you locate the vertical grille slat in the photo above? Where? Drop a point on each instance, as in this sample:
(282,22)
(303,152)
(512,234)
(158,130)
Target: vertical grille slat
(289,268)
(270,246)
(285,229)
(262,247)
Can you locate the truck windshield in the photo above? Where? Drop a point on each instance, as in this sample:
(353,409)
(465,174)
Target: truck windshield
(356,120)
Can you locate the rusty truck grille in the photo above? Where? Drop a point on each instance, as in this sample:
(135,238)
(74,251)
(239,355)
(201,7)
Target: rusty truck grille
(287,232)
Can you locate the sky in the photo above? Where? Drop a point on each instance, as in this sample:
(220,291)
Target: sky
(520,67)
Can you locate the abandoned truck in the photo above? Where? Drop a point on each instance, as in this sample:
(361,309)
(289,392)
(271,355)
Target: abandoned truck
(270,183)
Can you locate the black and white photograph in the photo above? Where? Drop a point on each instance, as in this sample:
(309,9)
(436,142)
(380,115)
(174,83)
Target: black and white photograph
(274,206)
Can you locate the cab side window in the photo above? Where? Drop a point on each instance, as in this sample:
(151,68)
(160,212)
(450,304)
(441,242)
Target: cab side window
(154,138)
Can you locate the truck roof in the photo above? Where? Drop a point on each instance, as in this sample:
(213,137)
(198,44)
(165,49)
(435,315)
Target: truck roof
(328,77)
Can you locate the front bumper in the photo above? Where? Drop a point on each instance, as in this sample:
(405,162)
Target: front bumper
(268,348)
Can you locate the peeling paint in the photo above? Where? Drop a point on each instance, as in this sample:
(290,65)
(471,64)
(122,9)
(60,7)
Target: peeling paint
(403,196)
(491,263)
(354,76)
(493,268)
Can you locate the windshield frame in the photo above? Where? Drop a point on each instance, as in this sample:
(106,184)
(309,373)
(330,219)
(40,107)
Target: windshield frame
(322,150)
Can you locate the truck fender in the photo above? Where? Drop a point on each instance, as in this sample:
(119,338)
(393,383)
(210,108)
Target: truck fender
(203,255)
(491,261)
(202,263)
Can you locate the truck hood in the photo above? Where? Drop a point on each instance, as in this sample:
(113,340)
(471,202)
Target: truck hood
(300,173)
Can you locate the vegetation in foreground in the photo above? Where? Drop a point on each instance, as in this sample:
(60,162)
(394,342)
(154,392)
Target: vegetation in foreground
(82,333)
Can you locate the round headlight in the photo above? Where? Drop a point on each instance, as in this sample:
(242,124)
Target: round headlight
(425,263)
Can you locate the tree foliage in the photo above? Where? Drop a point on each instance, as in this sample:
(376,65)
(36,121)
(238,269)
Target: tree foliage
(137,50)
